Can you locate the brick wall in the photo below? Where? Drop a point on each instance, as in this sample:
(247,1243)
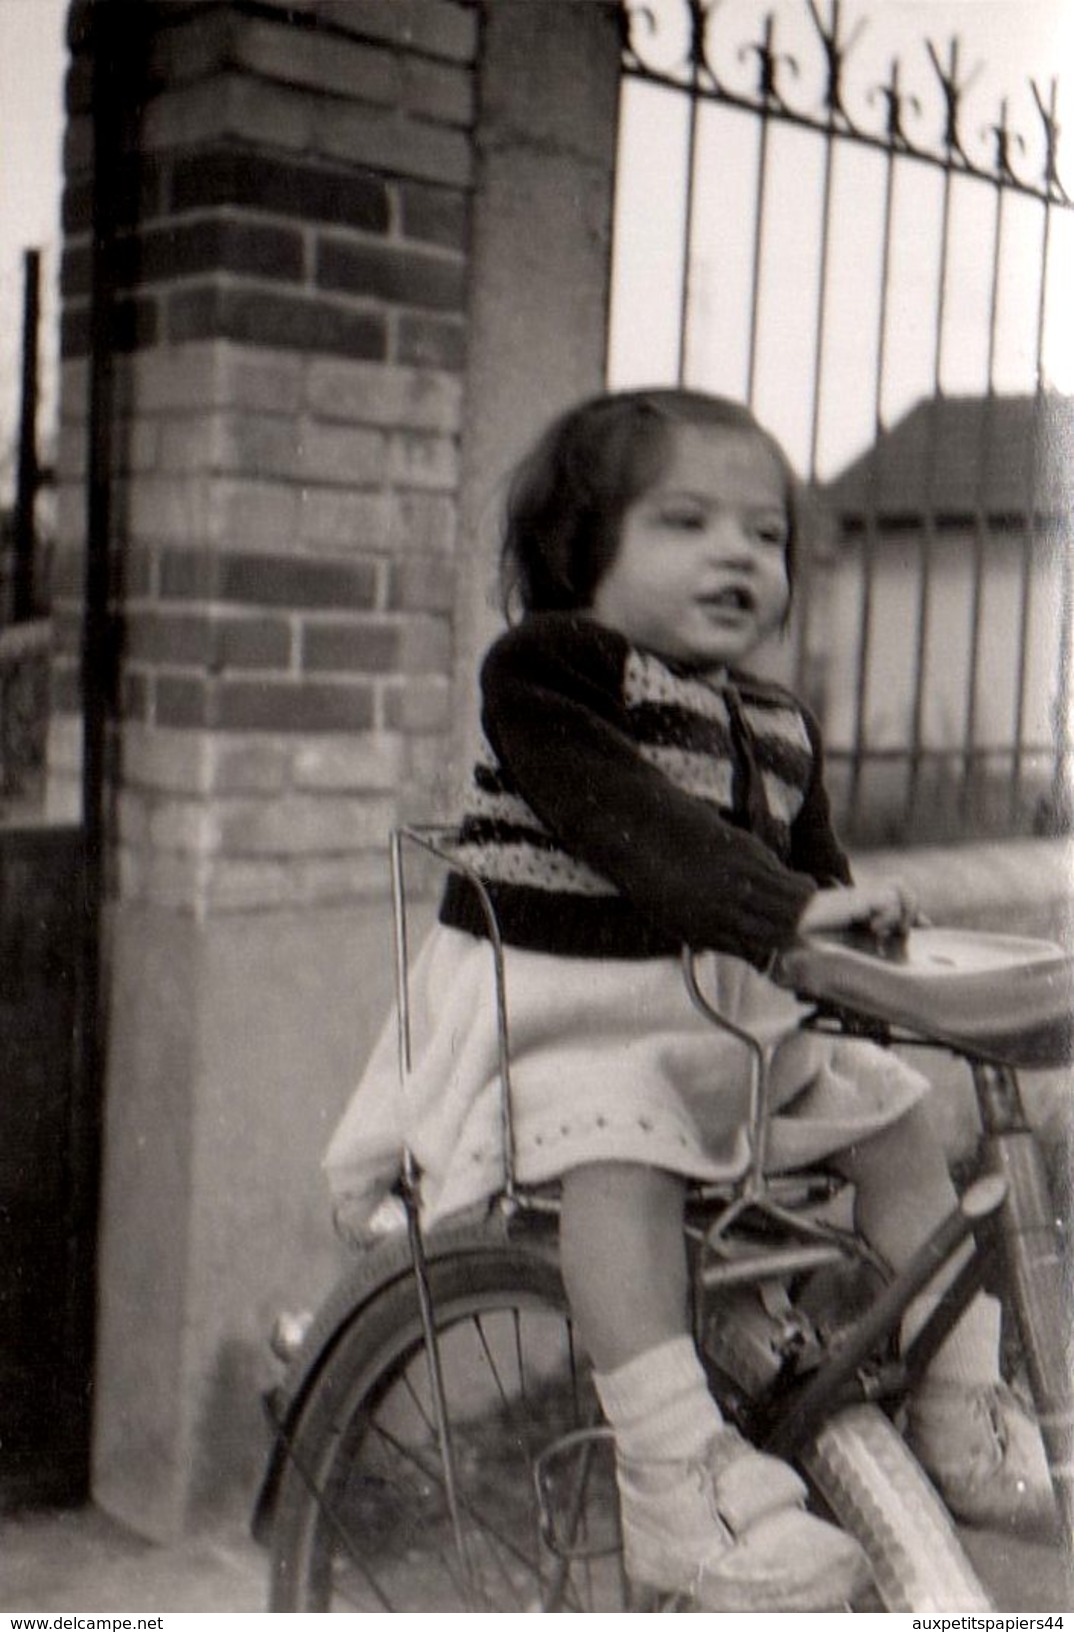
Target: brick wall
(291,266)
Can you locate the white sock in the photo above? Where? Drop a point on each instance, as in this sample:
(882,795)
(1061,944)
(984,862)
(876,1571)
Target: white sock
(659,1404)
(970,1353)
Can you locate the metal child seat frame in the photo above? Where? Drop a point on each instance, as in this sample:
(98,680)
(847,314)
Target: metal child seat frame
(721,1262)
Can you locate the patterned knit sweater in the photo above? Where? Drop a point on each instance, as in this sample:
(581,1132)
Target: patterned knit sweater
(623,806)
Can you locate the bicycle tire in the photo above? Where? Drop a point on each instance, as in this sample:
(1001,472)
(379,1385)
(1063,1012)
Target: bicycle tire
(330,1551)
(866,1475)
(361,1519)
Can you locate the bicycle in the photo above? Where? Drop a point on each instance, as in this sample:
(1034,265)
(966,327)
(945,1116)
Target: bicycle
(437,1440)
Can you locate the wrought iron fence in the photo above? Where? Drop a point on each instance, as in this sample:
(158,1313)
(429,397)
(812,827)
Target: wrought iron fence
(20,588)
(873,263)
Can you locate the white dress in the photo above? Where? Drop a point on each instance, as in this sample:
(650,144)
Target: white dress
(609,1061)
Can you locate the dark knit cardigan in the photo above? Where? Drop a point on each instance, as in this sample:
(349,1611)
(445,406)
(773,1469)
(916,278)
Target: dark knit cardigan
(623,806)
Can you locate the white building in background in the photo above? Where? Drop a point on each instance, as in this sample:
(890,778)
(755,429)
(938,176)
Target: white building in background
(963,507)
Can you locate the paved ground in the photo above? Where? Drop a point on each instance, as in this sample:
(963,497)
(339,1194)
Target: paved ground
(1021,1574)
(83,1562)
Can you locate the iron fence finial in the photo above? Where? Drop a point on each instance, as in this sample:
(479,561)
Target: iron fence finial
(1048,116)
(1004,137)
(953,93)
(768,60)
(836,52)
(895,100)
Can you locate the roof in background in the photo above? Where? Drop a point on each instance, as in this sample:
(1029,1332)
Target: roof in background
(951,456)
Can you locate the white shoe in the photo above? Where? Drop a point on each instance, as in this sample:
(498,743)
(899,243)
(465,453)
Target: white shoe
(729,1530)
(984,1454)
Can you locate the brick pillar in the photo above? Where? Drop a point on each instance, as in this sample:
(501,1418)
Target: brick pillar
(291,317)
(291,344)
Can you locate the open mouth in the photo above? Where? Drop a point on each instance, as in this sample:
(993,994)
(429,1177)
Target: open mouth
(734,598)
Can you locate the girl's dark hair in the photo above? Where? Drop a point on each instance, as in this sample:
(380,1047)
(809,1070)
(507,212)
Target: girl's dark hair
(567,499)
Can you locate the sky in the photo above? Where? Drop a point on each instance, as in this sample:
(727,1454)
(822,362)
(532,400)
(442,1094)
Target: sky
(32,60)
(1008,40)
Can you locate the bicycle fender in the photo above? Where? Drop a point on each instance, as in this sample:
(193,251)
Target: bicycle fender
(367,1279)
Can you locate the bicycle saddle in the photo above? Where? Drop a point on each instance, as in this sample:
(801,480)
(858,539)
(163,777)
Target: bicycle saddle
(997,997)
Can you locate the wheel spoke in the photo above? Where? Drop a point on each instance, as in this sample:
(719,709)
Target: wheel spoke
(429,1471)
(492,1365)
(340,1530)
(372,1531)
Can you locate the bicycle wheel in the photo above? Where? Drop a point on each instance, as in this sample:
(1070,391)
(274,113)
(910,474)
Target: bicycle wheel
(875,1489)
(362,1520)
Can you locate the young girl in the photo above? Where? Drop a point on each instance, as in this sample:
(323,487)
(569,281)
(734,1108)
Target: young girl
(637,791)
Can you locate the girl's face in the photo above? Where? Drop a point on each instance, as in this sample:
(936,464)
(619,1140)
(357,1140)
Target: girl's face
(700,574)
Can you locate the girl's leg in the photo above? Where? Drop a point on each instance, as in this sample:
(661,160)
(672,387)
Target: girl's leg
(702,1513)
(969,1432)
(903,1190)
(623,1258)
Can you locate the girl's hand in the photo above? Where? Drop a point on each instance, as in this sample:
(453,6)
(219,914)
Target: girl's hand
(886,909)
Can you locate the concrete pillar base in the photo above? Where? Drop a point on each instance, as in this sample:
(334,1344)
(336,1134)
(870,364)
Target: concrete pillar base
(233,1046)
